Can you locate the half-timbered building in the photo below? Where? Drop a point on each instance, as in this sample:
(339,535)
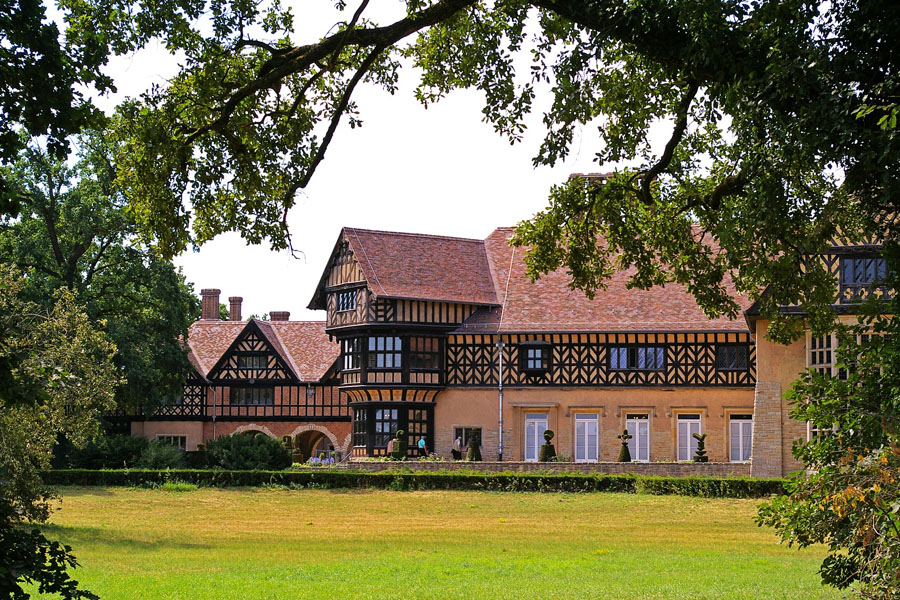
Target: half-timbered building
(277,377)
(444,337)
(448,338)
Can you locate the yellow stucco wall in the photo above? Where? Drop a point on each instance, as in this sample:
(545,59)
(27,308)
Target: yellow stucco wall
(151,429)
(458,407)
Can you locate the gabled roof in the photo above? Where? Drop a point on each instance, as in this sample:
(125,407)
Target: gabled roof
(303,345)
(549,304)
(418,267)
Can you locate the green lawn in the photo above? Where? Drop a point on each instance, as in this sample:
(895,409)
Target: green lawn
(214,543)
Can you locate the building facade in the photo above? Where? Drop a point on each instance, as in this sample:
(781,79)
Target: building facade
(448,338)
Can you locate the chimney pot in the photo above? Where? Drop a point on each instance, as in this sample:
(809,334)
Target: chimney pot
(280,315)
(234,308)
(209,304)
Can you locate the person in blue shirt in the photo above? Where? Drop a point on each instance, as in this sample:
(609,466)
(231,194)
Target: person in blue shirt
(422,451)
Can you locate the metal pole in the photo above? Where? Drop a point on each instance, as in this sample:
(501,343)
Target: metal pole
(500,346)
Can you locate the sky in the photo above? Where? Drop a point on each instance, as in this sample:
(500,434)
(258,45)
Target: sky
(436,171)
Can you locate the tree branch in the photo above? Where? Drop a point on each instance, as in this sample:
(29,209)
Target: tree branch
(677,135)
(296,59)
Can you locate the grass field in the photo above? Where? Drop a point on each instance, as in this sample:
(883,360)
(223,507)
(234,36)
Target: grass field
(215,543)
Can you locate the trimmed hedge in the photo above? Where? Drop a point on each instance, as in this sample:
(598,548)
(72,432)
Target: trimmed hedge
(737,487)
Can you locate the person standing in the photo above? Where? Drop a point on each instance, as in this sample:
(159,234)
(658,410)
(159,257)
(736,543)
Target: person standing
(422,450)
(457,448)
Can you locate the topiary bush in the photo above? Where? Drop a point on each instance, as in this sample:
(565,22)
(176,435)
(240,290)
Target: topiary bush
(473,453)
(624,452)
(400,446)
(700,453)
(160,455)
(547,451)
(240,452)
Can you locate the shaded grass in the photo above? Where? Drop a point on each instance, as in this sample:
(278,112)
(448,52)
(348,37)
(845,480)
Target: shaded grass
(253,543)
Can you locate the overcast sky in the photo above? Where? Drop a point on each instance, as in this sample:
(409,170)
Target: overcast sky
(437,171)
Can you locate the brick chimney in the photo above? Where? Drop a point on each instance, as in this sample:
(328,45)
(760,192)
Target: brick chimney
(280,315)
(234,308)
(209,307)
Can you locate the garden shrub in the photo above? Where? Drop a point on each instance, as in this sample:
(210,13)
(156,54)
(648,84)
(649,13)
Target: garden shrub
(251,452)
(104,452)
(727,487)
(160,455)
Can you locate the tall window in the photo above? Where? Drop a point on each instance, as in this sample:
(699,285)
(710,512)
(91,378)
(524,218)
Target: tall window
(346,300)
(385,426)
(820,354)
(731,357)
(350,349)
(741,437)
(253,395)
(384,353)
(535,426)
(638,427)
(252,361)
(688,425)
(647,358)
(359,427)
(587,430)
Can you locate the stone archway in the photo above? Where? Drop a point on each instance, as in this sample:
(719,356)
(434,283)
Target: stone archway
(253,429)
(306,437)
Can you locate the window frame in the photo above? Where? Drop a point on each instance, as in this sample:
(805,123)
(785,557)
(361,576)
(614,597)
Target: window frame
(633,443)
(243,357)
(545,359)
(395,352)
(169,438)
(255,392)
(631,353)
(351,354)
(345,301)
(687,419)
(739,419)
(586,418)
(878,264)
(745,348)
(465,432)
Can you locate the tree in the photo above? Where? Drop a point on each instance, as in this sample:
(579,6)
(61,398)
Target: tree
(782,137)
(74,232)
(58,379)
(42,73)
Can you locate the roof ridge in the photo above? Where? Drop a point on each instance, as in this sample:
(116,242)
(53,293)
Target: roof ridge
(416,235)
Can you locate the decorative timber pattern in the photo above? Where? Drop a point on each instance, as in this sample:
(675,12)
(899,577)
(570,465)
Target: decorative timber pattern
(370,309)
(390,395)
(287,403)
(583,359)
(353,316)
(251,356)
(344,268)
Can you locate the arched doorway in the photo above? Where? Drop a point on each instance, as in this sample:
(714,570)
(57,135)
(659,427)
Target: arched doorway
(312,443)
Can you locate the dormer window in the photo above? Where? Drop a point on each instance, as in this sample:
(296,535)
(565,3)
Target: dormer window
(252,361)
(534,358)
(346,300)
